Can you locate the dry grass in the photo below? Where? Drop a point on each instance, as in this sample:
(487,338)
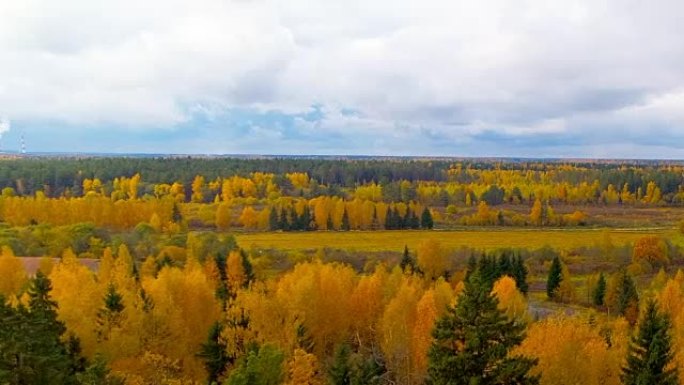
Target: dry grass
(479,239)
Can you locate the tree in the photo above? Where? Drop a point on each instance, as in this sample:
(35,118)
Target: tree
(432,259)
(628,298)
(262,366)
(12,273)
(407,262)
(599,294)
(650,353)
(652,250)
(555,277)
(32,350)
(345,221)
(340,372)
(110,316)
(426,221)
(214,354)
(472,342)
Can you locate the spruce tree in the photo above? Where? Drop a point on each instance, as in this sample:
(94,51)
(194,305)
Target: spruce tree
(472,342)
(345,221)
(520,274)
(426,221)
(628,297)
(32,350)
(273,222)
(555,278)
(650,353)
(599,294)
(213,354)
(109,316)
(472,266)
(340,372)
(407,262)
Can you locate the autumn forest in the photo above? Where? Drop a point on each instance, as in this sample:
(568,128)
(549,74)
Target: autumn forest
(340,271)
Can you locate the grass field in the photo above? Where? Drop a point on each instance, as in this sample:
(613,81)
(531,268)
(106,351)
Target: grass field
(479,239)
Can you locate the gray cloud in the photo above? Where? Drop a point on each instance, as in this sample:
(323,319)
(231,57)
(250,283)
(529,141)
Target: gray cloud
(532,76)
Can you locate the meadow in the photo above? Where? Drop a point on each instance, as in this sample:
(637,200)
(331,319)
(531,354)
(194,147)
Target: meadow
(484,239)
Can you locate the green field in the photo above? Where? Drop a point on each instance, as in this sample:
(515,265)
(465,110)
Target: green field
(478,239)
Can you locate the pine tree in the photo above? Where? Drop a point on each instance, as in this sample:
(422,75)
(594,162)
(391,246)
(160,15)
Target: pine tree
(555,277)
(340,371)
(345,221)
(472,342)
(32,350)
(273,222)
(109,316)
(214,354)
(176,215)
(426,221)
(407,262)
(472,266)
(650,353)
(520,274)
(599,294)
(628,298)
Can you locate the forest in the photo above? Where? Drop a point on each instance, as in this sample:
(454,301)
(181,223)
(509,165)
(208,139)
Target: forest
(340,271)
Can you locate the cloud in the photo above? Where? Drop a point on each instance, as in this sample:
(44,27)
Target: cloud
(435,77)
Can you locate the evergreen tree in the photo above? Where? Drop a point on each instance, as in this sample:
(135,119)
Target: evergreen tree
(628,297)
(555,278)
(599,293)
(329,224)
(472,342)
(109,316)
(520,274)
(214,354)
(247,266)
(176,215)
(407,262)
(345,221)
(472,266)
(650,353)
(283,224)
(273,222)
(340,372)
(426,221)
(32,350)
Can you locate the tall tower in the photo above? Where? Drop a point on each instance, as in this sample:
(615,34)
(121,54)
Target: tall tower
(23,144)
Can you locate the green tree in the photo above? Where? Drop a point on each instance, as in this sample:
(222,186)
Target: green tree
(340,372)
(628,298)
(345,221)
(650,353)
(472,342)
(214,354)
(110,315)
(32,350)
(599,294)
(555,278)
(426,221)
(261,366)
(407,261)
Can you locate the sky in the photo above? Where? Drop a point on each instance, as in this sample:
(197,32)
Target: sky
(528,78)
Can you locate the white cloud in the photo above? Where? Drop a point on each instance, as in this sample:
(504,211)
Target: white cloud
(447,68)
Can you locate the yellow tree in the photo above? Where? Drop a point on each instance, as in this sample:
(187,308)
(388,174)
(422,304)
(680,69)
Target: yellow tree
(510,299)
(198,189)
(249,218)
(223,216)
(432,259)
(12,273)
(304,369)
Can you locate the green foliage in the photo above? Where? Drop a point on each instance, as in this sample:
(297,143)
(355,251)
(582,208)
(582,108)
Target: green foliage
(555,277)
(262,366)
(98,374)
(350,368)
(214,354)
(628,297)
(426,221)
(650,353)
(472,342)
(408,263)
(599,294)
(31,346)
